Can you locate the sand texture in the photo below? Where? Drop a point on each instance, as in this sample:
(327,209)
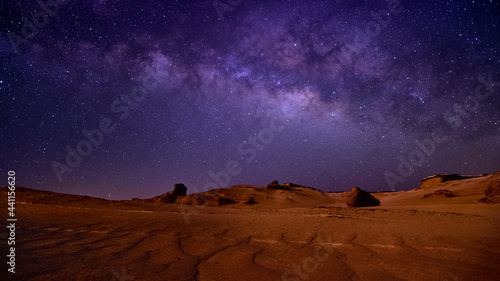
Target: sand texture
(295,234)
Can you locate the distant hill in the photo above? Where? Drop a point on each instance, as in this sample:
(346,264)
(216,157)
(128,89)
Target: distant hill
(34,196)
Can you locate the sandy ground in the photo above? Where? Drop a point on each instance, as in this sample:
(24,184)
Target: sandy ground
(406,238)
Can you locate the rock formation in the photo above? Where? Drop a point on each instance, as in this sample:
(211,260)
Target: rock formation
(224,201)
(360,198)
(179,190)
(493,192)
(436,180)
(276,186)
(250,201)
(441,192)
(172,196)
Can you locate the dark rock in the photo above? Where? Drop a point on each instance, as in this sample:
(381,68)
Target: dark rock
(437,180)
(250,201)
(360,198)
(276,186)
(179,190)
(291,184)
(225,201)
(273,185)
(172,196)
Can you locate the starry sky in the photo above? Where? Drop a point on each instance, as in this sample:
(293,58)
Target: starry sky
(122,99)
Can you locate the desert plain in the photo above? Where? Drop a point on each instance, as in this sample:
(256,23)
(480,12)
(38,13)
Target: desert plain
(446,229)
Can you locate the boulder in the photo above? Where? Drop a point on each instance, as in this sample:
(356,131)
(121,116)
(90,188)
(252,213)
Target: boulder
(360,198)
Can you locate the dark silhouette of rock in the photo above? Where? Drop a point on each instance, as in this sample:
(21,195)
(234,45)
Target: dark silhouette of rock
(274,185)
(360,198)
(292,185)
(493,192)
(225,201)
(441,192)
(179,190)
(172,196)
(250,201)
(436,180)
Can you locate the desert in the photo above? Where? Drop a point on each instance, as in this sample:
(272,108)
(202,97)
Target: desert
(278,232)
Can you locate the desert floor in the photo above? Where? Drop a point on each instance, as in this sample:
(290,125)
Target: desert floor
(406,238)
(326,243)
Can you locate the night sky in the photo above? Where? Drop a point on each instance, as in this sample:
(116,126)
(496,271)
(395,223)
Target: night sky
(122,99)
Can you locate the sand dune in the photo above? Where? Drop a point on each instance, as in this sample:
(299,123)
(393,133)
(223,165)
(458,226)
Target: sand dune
(295,234)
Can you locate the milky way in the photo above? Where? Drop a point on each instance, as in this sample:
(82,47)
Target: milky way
(122,99)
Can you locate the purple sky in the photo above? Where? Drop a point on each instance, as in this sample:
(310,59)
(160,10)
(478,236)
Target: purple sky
(328,94)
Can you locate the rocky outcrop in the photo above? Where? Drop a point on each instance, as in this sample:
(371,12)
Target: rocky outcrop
(360,198)
(440,193)
(276,186)
(225,201)
(436,180)
(179,190)
(493,192)
(291,184)
(250,201)
(172,196)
